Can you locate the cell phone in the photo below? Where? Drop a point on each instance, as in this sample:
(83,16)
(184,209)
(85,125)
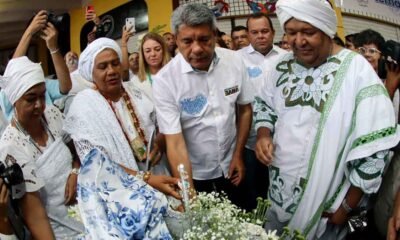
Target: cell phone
(130,22)
(89,8)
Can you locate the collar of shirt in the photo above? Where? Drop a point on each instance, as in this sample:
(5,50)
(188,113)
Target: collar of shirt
(251,50)
(186,67)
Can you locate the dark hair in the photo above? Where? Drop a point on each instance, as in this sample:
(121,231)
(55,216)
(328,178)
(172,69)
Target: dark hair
(350,37)
(338,40)
(238,28)
(369,36)
(259,15)
(221,43)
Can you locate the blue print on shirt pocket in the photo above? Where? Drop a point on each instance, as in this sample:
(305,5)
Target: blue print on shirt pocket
(254,72)
(194,105)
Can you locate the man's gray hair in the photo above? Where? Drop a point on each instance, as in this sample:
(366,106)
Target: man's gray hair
(193,14)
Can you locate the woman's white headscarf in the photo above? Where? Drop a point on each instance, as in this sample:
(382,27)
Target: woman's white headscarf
(315,12)
(86,59)
(20,75)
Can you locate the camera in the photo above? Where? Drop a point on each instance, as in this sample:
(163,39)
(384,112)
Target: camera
(11,175)
(61,22)
(390,54)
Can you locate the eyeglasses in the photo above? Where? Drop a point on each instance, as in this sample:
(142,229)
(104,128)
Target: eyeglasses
(370,51)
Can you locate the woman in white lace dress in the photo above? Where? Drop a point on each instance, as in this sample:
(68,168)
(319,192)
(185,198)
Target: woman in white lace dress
(110,126)
(34,140)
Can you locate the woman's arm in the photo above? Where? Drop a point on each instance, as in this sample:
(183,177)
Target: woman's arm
(50,35)
(35,216)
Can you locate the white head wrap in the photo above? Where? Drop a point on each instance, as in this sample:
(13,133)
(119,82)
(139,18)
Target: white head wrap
(315,12)
(20,75)
(86,59)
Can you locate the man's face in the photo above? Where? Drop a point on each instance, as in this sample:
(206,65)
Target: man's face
(170,41)
(310,45)
(196,44)
(350,45)
(261,35)
(228,41)
(284,44)
(134,62)
(240,39)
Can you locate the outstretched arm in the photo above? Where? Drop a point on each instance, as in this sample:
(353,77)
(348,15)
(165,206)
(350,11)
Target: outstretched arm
(50,35)
(37,24)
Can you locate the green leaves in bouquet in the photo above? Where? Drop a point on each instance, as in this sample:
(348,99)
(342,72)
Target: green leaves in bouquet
(288,234)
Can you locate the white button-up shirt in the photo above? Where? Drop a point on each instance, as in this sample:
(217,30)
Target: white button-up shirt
(201,105)
(258,66)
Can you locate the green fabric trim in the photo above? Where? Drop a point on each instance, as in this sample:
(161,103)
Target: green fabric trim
(325,112)
(364,93)
(368,138)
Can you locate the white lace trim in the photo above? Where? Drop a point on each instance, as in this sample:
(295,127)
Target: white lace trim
(91,118)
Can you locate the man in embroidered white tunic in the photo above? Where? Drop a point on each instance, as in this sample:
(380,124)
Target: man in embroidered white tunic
(196,95)
(331,121)
(258,57)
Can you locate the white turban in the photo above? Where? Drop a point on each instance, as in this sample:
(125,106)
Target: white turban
(20,75)
(86,59)
(315,12)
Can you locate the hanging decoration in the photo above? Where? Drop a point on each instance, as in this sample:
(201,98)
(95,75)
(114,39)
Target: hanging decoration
(267,7)
(220,6)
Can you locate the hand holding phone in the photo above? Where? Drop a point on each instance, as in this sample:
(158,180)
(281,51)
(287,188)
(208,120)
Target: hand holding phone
(130,24)
(90,14)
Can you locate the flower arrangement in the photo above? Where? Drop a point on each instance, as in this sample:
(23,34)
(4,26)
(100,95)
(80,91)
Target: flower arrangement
(211,216)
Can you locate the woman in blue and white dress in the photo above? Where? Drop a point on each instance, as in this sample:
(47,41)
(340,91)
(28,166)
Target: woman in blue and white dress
(110,126)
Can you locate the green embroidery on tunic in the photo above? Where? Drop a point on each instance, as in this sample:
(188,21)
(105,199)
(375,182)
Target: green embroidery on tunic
(306,87)
(262,112)
(339,77)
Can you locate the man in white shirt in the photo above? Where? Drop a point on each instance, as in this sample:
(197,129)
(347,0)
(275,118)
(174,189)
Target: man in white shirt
(197,95)
(258,57)
(240,37)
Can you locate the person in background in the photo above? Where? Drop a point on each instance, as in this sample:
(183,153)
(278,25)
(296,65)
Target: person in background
(259,58)
(228,41)
(325,125)
(284,44)
(169,39)
(55,89)
(240,37)
(133,64)
(153,55)
(198,95)
(349,44)
(369,43)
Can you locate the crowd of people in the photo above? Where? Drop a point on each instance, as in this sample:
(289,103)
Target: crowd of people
(307,123)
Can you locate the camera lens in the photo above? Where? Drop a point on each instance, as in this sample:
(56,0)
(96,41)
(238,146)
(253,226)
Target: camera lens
(12,175)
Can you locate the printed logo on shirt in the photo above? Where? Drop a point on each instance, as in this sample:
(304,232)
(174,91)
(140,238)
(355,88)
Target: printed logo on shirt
(193,105)
(231,90)
(254,72)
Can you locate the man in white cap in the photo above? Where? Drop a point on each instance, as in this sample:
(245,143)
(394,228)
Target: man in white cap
(324,123)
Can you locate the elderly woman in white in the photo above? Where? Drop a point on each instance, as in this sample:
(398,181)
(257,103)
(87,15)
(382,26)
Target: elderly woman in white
(34,140)
(110,126)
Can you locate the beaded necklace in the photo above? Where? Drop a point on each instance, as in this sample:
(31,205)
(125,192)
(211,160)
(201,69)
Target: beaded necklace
(134,118)
(33,142)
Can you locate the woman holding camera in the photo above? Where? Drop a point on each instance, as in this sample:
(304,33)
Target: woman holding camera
(34,140)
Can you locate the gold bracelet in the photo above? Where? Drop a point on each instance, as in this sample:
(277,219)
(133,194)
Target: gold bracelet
(146,176)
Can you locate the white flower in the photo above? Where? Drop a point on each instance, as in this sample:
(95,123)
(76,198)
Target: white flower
(271,235)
